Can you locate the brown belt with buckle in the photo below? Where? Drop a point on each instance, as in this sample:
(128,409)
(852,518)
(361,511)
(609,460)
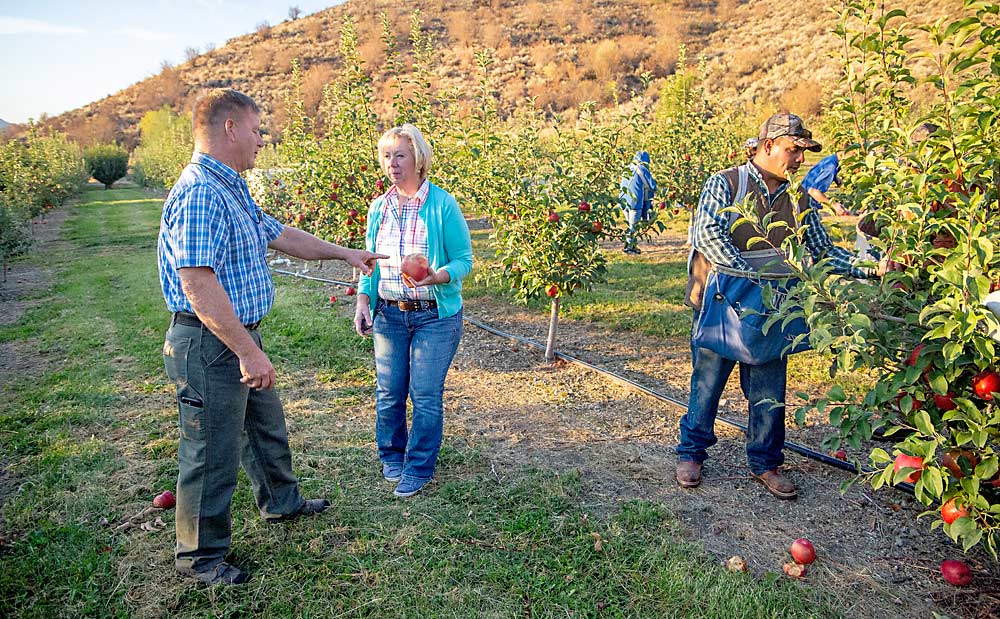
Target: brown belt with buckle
(190,320)
(418,305)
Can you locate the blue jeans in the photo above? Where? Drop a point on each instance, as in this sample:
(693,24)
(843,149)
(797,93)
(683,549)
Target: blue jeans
(413,351)
(766,427)
(633,217)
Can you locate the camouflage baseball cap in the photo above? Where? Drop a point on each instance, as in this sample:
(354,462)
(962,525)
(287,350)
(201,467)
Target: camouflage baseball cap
(785,124)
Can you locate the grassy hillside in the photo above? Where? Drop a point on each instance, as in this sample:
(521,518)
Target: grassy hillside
(559,52)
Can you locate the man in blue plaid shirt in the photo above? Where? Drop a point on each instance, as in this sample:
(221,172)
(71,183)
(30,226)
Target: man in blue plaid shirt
(782,143)
(212,262)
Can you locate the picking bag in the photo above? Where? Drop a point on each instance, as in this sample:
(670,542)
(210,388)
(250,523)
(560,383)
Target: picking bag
(726,327)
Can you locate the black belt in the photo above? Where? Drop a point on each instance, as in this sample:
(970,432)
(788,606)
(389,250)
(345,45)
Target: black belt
(417,305)
(190,320)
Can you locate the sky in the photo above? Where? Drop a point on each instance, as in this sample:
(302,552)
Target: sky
(57,55)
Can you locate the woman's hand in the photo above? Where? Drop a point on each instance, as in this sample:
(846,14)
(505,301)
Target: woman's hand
(363,323)
(433,277)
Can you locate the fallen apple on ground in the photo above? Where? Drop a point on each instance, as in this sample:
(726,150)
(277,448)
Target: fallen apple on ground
(164,500)
(736,563)
(803,551)
(956,572)
(794,570)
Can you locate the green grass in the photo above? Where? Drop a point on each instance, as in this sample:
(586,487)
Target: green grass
(92,435)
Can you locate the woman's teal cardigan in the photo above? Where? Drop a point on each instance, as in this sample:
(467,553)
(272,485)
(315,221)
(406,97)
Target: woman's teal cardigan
(449,247)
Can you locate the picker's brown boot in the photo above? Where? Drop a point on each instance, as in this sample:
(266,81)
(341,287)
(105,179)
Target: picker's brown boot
(777,484)
(688,474)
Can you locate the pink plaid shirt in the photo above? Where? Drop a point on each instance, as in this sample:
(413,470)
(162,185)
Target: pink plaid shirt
(402,233)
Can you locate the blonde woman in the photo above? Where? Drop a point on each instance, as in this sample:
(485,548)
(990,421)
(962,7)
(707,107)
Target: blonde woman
(417,320)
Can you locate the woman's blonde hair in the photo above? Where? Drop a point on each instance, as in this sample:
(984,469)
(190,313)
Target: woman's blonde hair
(421,151)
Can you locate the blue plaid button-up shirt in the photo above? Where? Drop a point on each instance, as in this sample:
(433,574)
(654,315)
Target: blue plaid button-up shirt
(711,234)
(210,220)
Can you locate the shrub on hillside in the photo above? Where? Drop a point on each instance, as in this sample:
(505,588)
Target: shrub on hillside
(106,163)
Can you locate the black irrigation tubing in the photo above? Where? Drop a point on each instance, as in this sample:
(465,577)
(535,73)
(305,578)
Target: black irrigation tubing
(790,445)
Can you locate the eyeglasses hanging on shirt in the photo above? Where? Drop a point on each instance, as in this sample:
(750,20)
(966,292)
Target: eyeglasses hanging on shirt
(256,216)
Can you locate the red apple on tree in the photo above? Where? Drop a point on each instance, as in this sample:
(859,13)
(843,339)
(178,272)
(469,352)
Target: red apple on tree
(986,383)
(803,551)
(415,266)
(552,218)
(945,402)
(952,460)
(352,213)
(956,572)
(552,290)
(584,206)
(950,511)
(915,354)
(904,461)
(596,227)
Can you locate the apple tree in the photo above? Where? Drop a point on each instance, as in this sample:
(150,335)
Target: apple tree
(927,178)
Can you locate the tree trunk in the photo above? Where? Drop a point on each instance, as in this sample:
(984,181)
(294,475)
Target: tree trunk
(5,269)
(550,343)
(354,275)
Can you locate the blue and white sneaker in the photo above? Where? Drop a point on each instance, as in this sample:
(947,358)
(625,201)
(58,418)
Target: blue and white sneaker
(392,471)
(409,487)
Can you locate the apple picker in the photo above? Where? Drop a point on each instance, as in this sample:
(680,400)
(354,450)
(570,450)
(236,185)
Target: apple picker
(723,260)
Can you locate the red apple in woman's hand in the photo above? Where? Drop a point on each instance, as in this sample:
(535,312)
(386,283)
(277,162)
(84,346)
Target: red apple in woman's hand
(415,265)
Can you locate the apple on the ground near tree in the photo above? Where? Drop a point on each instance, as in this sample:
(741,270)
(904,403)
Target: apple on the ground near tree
(956,572)
(350,291)
(164,500)
(415,265)
(904,461)
(803,551)
(794,570)
(333,299)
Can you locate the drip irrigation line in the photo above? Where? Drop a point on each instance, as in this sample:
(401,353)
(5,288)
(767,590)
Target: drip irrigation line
(789,445)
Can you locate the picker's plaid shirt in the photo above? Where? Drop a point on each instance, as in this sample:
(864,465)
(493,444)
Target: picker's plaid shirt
(210,220)
(710,228)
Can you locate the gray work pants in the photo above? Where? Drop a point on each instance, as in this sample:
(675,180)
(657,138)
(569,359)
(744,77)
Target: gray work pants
(223,424)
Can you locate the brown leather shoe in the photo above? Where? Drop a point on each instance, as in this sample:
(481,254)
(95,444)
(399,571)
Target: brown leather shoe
(777,484)
(688,474)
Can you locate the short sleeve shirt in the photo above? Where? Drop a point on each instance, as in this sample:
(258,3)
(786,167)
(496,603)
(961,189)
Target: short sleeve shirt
(210,220)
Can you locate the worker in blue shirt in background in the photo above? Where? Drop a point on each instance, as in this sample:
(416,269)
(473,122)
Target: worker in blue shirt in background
(636,198)
(819,179)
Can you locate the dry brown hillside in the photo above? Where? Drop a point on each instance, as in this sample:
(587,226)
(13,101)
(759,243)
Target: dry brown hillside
(560,52)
